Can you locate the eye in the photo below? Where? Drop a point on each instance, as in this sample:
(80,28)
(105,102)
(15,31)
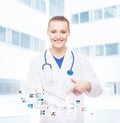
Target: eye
(53,31)
(63,32)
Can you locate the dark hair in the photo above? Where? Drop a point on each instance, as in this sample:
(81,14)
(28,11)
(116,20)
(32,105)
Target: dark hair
(59,18)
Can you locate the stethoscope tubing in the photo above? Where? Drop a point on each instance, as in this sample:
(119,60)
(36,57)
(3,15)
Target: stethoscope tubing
(69,72)
(46,61)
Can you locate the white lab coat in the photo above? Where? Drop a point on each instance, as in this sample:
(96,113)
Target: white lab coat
(61,82)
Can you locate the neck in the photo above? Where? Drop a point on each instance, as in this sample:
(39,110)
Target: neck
(58,52)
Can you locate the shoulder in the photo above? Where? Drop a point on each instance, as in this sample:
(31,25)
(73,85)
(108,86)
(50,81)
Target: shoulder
(79,57)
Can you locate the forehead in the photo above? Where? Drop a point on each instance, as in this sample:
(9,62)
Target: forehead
(58,24)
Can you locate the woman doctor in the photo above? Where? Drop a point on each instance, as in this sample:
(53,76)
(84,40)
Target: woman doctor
(63,73)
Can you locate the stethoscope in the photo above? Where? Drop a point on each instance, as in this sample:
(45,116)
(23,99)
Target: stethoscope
(69,72)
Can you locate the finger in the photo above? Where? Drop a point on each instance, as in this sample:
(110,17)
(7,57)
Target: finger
(71,90)
(73,81)
(77,94)
(68,92)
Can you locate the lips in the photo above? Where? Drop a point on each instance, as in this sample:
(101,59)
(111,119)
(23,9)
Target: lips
(58,41)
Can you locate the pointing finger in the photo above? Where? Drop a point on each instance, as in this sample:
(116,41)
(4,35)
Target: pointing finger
(73,81)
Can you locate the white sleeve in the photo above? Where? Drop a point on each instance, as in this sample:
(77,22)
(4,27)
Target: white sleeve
(88,74)
(34,76)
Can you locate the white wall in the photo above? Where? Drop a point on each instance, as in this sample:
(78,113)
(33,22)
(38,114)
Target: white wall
(20,17)
(17,16)
(14,62)
(93,33)
(96,32)
(107,68)
(80,5)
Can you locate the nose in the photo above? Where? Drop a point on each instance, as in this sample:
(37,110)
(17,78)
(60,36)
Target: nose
(58,35)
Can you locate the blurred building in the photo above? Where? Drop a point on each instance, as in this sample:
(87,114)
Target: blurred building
(56,7)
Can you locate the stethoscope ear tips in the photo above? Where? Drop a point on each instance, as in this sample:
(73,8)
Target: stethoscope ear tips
(70,72)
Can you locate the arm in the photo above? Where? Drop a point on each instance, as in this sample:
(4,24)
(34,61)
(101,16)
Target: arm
(34,79)
(89,83)
(80,87)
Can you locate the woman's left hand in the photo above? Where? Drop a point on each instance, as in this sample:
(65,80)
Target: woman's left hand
(80,87)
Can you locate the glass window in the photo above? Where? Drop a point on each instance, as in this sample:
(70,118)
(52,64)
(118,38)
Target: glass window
(110,88)
(2,34)
(110,12)
(99,50)
(76,49)
(118,88)
(40,5)
(98,14)
(75,18)
(112,49)
(37,4)
(42,45)
(43,6)
(85,50)
(15,37)
(27,2)
(25,40)
(84,17)
(56,7)
(8,86)
(36,44)
(118,10)
(91,16)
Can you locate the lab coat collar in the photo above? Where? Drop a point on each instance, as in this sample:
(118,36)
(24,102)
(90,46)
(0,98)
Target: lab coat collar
(65,65)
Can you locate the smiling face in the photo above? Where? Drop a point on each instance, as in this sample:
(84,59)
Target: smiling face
(58,32)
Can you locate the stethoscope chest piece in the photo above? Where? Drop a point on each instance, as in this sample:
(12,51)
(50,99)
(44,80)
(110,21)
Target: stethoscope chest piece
(69,72)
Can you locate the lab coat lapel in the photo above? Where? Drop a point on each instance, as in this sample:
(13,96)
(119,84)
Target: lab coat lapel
(63,78)
(60,77)
(55,68)
(67,62)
